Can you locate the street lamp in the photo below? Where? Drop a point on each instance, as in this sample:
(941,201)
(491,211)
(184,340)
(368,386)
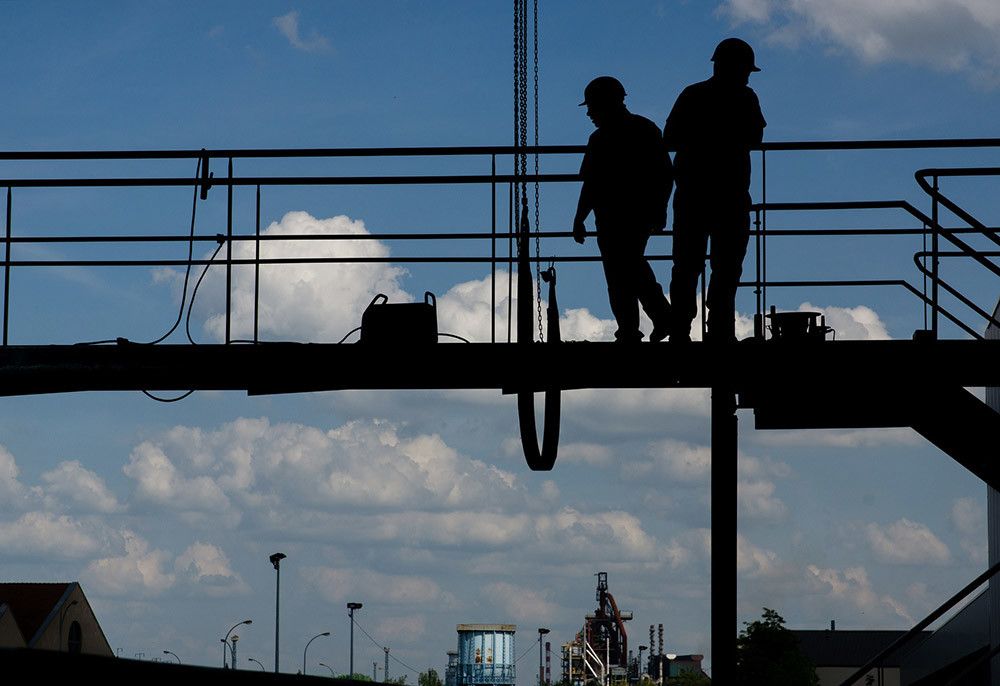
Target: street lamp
(541,669)
(639,675)
(167,652)
(258,664)
(325,633)
(276,561)
(62,616)
(225,641)
(351,607)
(323,664)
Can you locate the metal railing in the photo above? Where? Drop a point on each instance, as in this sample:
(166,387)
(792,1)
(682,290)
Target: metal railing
(931,227)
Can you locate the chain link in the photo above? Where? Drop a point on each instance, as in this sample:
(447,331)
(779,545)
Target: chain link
(538,230)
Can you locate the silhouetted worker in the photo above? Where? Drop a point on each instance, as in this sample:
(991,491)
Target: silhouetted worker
(712,126)
(627,179)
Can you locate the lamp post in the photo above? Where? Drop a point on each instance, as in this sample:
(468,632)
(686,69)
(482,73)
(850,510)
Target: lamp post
(62,615)
(541,668)
(225,641)
(325,633)
(323,664)
(638,676)
(167,652)
(276,561)
(258,664)
(351,607)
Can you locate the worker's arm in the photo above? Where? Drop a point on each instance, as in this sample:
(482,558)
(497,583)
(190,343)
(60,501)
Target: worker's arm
(585,205)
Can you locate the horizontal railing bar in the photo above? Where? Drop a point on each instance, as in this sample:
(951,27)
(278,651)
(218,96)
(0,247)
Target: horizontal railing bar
(440,235)
(427,151)
(153,182)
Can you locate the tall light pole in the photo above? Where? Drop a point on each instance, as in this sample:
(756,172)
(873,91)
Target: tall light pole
(351,607)
(167,652)
(276,561)
(62,615)
(306,649)
(323,664)
(258,663)
(639,675)
(225,641)
(541,667)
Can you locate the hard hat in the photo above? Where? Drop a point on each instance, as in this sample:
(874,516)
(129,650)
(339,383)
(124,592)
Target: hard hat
(603,89)
(736,52)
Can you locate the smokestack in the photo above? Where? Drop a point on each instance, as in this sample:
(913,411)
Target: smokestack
(661,640)
(833,625)
(652,645)
(548,662)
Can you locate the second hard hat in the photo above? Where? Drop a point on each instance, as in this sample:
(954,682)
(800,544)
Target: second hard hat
(735,52)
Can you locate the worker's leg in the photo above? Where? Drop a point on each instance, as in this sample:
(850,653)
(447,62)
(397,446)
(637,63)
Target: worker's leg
(729,248)
(619,263)
(649,291)
(689,261)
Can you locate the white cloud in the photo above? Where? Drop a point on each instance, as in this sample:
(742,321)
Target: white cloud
(853,586)
(596,454)
(159,481)
(13,494)
(338,584)
(206,569)
(140,571)
(305,302)
(756,499)
(43,534)
(851,323)
(840,438)
(288,25)
(404,629)
(968,518)
(947,35)
(906,542)
(70,485)
(675,460)
(752,561)
(518,603)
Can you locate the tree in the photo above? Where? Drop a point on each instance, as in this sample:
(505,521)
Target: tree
(768,653)
(429,678)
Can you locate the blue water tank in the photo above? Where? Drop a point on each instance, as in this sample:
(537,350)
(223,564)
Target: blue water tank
(486,654)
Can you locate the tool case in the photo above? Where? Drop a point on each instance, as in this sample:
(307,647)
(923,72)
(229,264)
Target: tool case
(386,323)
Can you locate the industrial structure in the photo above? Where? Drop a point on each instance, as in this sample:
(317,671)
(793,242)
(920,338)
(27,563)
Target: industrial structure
(485,655)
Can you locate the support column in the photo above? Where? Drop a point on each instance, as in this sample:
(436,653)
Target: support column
(724,476)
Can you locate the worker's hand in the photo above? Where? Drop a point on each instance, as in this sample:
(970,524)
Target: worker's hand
(579,231)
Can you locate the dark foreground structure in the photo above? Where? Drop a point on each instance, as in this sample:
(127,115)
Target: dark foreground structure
(919,383)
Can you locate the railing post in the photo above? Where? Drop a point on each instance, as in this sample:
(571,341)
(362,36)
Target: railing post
(763,229)
(256,271)
(758,317)
(493,248)
(935,231)
(6,272)
(229,253)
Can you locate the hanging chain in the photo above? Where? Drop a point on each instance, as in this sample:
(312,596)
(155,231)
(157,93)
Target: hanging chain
(538,229)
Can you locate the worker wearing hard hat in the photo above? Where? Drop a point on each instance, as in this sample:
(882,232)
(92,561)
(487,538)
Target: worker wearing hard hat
(712,126)
(627,179)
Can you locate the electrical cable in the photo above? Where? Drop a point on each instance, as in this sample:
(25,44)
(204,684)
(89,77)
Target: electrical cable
(167,400)
(452,335)
(381,647)
(357,328)
(194,293)
(528,650)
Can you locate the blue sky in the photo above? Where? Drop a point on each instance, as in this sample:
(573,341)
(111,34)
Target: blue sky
(418,504)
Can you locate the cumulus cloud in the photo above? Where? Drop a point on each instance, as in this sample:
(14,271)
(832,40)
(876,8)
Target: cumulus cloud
(968,518)
(840,438)
(13,494)
(206,569)
(753,561)
(46,535)
(70,485)
(139,571)
(852,585)
(518,603)
(159,481)
(674,460)
(947,35)
(288,26)
(906,542)
(338,584)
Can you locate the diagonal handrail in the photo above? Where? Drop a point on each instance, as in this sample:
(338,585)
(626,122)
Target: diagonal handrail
(921,625)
